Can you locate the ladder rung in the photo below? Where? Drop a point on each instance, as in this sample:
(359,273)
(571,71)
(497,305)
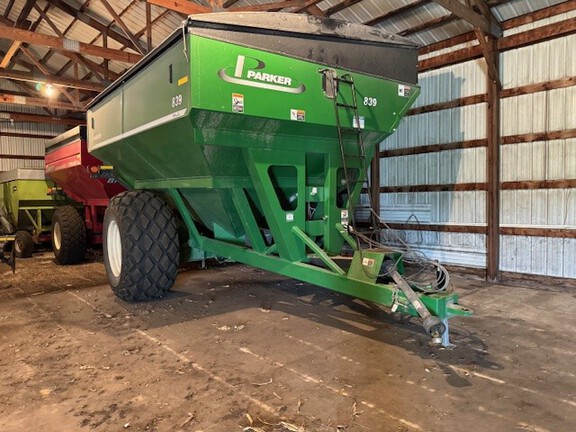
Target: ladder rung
(343,105)
(344,80)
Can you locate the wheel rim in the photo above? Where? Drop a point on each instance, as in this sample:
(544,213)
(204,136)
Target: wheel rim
(57,236)
(114,248)
(18,245)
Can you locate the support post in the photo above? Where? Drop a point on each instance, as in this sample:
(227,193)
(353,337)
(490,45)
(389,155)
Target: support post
(493,169)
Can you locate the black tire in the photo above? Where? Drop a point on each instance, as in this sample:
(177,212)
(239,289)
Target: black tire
(141,249)
(23,244)
(68,236)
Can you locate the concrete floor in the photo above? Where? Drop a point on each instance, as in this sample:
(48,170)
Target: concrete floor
(238,349)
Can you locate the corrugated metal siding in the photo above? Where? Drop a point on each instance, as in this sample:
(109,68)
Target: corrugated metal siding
(548,160)
(541,160)
(447,167)
(19,146)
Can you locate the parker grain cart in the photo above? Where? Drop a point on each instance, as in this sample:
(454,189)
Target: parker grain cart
(26,209)
(83,178)
(254,132)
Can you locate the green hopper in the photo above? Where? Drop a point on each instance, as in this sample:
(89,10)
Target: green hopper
(248,136)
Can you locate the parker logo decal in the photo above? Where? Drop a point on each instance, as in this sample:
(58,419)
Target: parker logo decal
(254,76)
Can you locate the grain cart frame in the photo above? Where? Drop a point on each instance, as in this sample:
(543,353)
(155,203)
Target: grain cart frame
(83,178)
(248,136)
(26,208)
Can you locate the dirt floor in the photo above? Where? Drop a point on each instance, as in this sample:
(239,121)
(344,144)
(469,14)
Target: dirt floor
(239,349)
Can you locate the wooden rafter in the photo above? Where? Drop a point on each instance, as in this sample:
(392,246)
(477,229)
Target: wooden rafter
(37,102)
(310,7)
(340,7)
(182,6)
(66,44)
(396,12)
(35,118)
(20,21)
(90,21)
(118,20)
(89,64)
(470,15)
(47,73)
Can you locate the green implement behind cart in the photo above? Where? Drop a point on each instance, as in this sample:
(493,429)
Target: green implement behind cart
(26,208)
(248,136)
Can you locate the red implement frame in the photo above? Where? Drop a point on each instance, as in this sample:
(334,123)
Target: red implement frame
(72,168)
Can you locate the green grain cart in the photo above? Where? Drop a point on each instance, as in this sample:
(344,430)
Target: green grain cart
(26,208)
(248,136)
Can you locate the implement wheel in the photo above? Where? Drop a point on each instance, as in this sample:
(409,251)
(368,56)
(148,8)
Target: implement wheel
(141,249)
(68,236)
(23,244)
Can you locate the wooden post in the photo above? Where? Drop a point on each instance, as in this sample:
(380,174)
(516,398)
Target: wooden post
(375,183)
(493,170)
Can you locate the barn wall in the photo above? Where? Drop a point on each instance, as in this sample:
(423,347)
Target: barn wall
(540,112)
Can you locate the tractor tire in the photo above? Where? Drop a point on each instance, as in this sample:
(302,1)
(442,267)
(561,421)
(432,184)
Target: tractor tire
(141,249)
(68,236)
(23,244)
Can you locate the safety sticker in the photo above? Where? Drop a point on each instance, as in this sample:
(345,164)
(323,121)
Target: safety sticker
(237,103)
(289,217)
(344,217)
(298,115)
(368,262)
(404,90)
(183,80)
(358,122)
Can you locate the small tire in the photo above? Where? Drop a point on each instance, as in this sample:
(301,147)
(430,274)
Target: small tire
(23,244)
(141,249)
(68,236)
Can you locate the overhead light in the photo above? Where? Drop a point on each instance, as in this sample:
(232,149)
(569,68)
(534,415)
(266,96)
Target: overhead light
(49,90)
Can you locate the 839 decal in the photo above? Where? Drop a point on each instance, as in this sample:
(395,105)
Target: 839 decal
(370,101)
(176,101)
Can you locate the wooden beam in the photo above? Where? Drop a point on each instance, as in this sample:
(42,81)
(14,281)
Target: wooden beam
(375,186)
(429,25)
(35,118)
(340,7)
(23,157)
(267,7)
(396,12)
(493,170)
(535,88)
(38,102)
(182,6)
(148,26)
(465,101)
(539,232)
(539,136)
(310,7)
(506,25)
(433,148)
(19,23)
(460,145)
(435,188)
(46,72)
(54,80)
(467,229)
(10,53)
(525,231)
(487,46)
(90,21)
(93,67)
(122,25)
(529,37)
(469,15)
(27,136)
(539,184)
(66,44)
